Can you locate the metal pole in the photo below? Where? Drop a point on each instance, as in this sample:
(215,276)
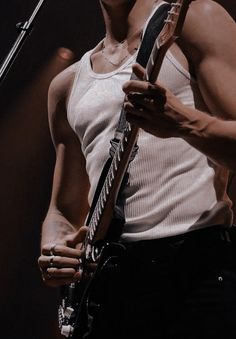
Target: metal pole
(24,28)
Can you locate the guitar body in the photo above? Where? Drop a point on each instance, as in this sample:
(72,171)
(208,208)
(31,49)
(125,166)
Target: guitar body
(84,297)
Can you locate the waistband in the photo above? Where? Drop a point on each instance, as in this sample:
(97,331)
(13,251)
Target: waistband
(199,238)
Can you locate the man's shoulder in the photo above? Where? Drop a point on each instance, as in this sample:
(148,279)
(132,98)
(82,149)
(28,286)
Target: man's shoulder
(205,5)
(206,26)
(204,14)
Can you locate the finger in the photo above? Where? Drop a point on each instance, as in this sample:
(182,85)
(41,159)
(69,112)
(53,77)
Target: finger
(54,272)
(134,110)
(47,275)
(77,237)
(135,86)
(146,112)
(61,250)
(151,102)
(56,282)
(144,87)
(91,267)
(58,277)
(138,121)
(139,71)
(56,261)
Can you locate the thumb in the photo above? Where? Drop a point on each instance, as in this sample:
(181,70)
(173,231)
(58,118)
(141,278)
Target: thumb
(77,237)
(139,71)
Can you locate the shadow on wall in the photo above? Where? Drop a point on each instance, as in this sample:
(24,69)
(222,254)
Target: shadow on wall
(28,308)
(26,172)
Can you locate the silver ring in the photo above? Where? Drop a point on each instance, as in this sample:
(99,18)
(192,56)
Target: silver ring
(51,261)
(52,249)
(149,100)
(48,275)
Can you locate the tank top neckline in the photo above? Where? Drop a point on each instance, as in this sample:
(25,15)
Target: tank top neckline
(125,64)
(108,74)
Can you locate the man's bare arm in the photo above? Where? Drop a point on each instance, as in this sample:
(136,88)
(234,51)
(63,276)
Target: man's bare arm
(208,42)
(69,204)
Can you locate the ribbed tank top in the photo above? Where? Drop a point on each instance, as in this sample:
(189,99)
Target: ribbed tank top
(172,186)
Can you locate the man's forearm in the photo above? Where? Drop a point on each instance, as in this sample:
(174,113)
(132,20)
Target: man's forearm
(212,136)
(55,228)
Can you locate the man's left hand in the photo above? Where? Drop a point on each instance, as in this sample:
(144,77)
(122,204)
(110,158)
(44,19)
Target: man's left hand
(154,108)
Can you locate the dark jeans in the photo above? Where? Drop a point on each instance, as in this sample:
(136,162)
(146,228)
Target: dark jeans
(173,288)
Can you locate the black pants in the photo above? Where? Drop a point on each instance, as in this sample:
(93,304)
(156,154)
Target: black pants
(181,287)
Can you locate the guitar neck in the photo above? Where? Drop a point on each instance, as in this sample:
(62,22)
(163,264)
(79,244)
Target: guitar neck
(103,211)
(155,61)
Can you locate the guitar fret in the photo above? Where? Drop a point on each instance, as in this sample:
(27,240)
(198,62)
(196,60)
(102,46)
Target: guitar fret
(91,233)
(109,179)
(94,221)
(102,202)
(96,215)
(111,175)
(102,194)
(108,182)
(88,251)
(118,155)
(106,188)
(121,146)
(93,228)
(115,163)
(99,212)
(176,4)
(99,207)
(90,236)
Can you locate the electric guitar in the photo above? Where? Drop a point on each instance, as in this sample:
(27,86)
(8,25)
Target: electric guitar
(101,246)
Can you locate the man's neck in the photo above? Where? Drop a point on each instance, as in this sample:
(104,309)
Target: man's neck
(125,18)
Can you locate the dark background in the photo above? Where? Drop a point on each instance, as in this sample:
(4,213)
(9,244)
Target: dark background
(28,309)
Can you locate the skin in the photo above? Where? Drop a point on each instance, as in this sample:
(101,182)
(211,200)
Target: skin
(212,58)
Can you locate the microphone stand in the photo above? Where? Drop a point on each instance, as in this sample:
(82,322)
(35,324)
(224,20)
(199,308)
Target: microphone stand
(25,29)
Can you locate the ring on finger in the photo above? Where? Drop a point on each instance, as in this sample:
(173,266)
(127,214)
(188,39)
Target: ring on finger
(52,249)
(51,261)
(48,275)
(149,100)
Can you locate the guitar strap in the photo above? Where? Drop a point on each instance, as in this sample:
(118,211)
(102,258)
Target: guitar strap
(152,31)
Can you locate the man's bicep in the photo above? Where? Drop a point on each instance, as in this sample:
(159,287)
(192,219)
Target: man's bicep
(208,39)
(70,183)
(216,78)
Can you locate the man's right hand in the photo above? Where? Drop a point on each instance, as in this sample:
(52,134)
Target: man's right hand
(60,261)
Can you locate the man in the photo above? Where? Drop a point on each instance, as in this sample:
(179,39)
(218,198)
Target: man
(177,279)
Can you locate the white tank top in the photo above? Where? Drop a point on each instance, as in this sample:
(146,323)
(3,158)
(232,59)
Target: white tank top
(172,186)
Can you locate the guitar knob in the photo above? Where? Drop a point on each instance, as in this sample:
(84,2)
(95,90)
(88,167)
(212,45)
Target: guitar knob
(68,312)
(95,253)
(67,330)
